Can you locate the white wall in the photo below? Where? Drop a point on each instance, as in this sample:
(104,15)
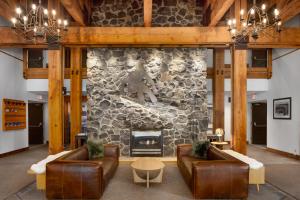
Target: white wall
(284,135)
(12,86)
(41,85)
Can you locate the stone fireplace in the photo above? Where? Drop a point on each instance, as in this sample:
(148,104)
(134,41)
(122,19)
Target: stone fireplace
(146,143)
(147,89)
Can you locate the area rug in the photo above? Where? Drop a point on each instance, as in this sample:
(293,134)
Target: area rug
(121,187)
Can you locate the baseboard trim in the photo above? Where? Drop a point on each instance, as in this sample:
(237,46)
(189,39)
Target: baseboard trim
(13,152)
(283,153)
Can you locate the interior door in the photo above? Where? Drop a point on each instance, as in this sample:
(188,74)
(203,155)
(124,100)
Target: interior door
(259,123)
(35,120)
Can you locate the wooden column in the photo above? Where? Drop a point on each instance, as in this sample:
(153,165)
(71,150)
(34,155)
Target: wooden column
(239,100)
(147,13)
(218,89)
(55,101)
(76,94)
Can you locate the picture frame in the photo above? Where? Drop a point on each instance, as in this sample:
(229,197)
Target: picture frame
(282,108)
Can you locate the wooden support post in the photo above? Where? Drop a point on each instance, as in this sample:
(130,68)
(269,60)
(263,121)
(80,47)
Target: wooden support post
(239,100)
(55,101)
(76,94)
(147,13)
(270,63)
(218,89)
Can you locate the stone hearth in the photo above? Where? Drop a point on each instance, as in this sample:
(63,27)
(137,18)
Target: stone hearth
(147,89)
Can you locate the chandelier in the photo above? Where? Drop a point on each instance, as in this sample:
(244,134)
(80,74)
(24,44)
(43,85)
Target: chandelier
(253,23)
(39,24)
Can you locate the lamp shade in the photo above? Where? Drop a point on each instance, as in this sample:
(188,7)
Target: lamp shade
(219,132)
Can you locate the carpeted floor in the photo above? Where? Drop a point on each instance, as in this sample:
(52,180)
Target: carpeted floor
(121,187)
(13,170)
(282,176)
(281,172)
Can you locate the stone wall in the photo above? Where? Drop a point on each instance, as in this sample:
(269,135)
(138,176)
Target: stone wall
(147,89)
(130,13)
(176,13)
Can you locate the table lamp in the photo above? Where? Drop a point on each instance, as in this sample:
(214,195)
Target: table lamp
(219,132)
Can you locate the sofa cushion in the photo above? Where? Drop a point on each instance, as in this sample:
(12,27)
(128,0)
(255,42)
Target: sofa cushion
(77,154)
(188,161)
(109,165)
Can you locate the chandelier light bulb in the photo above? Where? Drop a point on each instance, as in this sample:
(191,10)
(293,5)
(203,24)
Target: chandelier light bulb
(263,7)
(18,10)
(65,23)
(279,23)
(229,22)
(233,31)
(25,19)
(45,11)
(35,29)
(252,11)
(276,12)
(53,12)
(265,20)
(33,6)
(59,21)
(14,20)
(46,24)
(242,12)
(234,21)
(244,24)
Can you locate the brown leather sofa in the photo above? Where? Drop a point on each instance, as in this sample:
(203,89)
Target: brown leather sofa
(221,176)
(74,176)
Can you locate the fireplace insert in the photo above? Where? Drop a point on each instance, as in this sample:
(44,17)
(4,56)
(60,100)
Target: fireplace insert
(146,143)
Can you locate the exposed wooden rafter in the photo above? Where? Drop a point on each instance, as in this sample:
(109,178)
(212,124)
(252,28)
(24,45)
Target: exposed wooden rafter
(147,13)
(74,9)
(7,8)
(218,10)
(288,9)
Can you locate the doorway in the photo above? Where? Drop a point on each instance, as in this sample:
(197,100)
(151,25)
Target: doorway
(35,121)
(259,123)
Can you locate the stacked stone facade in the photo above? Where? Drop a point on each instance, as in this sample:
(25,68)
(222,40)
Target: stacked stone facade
(172,82)
(165,13)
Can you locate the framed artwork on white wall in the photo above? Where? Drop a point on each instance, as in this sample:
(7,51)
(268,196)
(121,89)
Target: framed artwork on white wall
(282,108)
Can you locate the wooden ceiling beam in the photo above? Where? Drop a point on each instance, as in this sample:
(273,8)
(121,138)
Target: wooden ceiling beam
(147,13)
(219,9)
(288,9)
(206,36)
(74,9)
(7,9)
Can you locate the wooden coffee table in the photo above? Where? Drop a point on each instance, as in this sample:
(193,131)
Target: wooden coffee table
(147,166)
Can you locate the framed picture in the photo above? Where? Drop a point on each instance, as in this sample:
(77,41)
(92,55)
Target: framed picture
(282,108)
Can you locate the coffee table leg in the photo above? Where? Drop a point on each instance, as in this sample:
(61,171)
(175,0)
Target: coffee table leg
(147,179)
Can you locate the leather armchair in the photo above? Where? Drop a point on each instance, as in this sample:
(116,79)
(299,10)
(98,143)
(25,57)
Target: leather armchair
(221,176)
(74,176)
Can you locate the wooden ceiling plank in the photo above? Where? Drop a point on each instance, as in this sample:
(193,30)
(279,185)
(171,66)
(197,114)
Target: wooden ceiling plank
(147,13)
(73,8)
(219,8)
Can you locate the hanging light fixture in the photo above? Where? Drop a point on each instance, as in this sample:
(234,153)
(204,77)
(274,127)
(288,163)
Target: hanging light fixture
(39,24)
(253,23)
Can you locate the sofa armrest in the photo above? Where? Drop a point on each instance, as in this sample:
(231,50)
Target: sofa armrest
(69,179)
(220,179)
(184,150)
(111,150)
